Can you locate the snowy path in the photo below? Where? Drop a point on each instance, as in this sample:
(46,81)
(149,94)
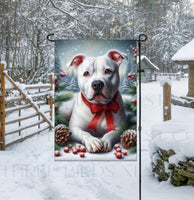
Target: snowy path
(28,170)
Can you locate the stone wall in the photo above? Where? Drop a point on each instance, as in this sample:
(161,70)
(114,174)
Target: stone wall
(180,174)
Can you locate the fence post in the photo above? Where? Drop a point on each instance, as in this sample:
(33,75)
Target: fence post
(39,107)
(166,102)
(2,108)
(51,99)
(19,113)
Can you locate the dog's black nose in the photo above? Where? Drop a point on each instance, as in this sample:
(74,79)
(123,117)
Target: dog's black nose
(97,85)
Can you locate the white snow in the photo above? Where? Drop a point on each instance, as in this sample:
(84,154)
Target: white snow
(3,63)
(174,135)
(185,53)
(164,81)
(148,60)
(28,169)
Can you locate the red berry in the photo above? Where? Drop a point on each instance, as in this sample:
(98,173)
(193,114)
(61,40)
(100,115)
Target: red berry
(78,146)
(129,75)
(70,146)
(55,86)
(125,153)
(116,146)
(83,149)
(133,74)
(118,150)
(57,153)
(132,77)
(133,101)
(56,107)
(56,79)
(82,155)
(119,155)
(115,153)
(62,74)
(74,151)
(66,150)
(135,51)
(135,55)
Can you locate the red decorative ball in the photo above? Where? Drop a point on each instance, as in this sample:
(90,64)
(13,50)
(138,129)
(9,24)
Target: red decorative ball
(66,150)
(125,153)
(57,153)
(135,55)
(78,146)
(133,101)
(82,155)
(118,150)
(56,79)
(119,155)
(56,107)
(74,151)
(116,146)
(129,75)
(83,149)
(55,86)
(62,74)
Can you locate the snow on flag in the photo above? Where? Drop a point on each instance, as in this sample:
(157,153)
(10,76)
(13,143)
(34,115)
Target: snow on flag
(95,100)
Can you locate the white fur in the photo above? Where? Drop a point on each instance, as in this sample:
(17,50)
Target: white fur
(80,114)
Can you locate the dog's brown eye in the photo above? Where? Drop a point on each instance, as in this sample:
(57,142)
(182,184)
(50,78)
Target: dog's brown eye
(107,71)
(86,73)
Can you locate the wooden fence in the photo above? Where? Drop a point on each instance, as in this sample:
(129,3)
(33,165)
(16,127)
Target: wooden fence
(22,107)
(171,76)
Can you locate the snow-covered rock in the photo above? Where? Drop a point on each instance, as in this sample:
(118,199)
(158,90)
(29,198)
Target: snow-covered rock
(173,135)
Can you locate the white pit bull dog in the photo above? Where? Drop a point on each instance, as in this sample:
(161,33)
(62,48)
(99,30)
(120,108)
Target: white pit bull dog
(97,111)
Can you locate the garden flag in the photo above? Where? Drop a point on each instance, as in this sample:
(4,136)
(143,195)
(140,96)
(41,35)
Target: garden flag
(95,100)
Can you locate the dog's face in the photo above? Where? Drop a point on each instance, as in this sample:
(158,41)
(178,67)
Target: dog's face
(98,78)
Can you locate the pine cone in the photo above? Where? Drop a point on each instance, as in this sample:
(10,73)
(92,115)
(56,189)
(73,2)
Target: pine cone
(129,139)
(62,134)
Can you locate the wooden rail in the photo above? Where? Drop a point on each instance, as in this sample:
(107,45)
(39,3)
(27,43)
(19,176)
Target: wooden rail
(24,127)
(41,97)
(28,136)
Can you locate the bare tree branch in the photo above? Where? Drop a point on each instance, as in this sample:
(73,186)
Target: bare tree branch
(43,12)
(86,6)
(53,4)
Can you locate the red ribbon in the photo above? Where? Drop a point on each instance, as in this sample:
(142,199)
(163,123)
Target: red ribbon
(98,110)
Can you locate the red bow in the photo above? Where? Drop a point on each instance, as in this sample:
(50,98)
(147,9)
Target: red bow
(98,110)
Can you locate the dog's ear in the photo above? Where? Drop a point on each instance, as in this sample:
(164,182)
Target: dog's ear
(117,56)
(77,60)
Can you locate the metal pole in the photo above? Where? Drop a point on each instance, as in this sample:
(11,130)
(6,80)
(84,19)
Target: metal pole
(142,38)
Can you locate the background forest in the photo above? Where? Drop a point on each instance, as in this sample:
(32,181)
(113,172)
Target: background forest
(169,24)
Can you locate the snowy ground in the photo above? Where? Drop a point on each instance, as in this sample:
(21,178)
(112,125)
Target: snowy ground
(28,170)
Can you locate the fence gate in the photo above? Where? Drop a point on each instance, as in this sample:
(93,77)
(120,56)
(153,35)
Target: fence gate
(23,109)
